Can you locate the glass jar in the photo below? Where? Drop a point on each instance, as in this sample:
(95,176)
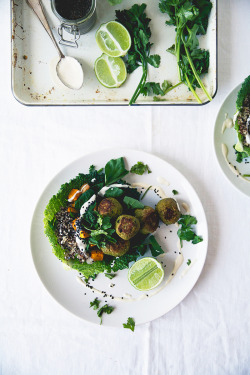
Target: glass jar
(76,27)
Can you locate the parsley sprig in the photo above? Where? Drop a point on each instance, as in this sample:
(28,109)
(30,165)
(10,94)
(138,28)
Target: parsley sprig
(137,23)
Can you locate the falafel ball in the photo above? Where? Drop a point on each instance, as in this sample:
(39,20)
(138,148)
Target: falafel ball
(148,218)
(168,211)
(117,249)
(127,226)
(110,207)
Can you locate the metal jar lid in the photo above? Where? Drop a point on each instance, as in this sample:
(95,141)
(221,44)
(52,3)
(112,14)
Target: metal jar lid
(75,27)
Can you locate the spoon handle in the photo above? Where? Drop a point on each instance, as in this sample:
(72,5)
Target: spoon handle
(36,5)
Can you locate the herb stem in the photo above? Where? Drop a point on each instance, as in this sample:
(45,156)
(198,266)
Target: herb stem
(196,74)
(140,85)
(192,89)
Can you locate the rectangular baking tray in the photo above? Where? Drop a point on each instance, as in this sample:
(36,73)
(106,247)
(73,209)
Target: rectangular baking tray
(33,54)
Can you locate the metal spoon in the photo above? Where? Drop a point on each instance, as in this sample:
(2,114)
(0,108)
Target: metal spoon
(68,69)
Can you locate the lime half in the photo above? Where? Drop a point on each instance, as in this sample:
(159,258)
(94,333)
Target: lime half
(110,71)
(113,39)
(146,274)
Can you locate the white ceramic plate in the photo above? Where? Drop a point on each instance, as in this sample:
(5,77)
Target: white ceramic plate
(63,285)
(229,137)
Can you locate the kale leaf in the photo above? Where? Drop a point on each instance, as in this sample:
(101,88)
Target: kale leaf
(115,170)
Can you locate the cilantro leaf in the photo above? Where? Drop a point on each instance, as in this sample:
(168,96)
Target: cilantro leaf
(130,324)
(155,247)
(95,304)
(132,203)
(140,168)
(188,262)
(175,192)
(186,232)
(136,22)
(190,17)
(104,309)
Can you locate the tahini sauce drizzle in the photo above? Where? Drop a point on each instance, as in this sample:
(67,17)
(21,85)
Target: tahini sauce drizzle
(224,150)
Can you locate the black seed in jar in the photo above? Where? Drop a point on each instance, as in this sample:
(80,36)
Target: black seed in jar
(73,9)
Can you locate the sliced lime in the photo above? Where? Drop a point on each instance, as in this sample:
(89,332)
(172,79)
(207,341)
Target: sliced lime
(113,39)
(110,71)
(146,274)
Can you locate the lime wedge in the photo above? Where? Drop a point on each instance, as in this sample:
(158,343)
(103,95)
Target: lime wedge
(113,39)
(110,71)
(146,274)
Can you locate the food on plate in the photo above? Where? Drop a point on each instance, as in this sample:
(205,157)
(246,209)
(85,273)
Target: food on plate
(242,121)
(111,72)
(148,218)
(146,274)
(110,207)
(97,222)
(127,226)
(168,211)
(113,39)
(117,249)
(190,19)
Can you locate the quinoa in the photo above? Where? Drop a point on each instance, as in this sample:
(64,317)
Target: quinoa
(66,236)
(242,119)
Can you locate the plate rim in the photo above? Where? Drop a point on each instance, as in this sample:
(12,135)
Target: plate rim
(122,151)
(237,87)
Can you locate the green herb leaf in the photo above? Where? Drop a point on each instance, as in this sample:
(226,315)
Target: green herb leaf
(115,170)
(114,2)
(104,309)
(175,192)
(155,247)
(140,168)
(113,192)
(110,275)
(130,324)
(137,23)
(240,156)
(186,231)
(243,92)
(84,198)
(95,304)
(132,203)
(188,262)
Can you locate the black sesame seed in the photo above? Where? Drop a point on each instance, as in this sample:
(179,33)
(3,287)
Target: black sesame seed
(172,274)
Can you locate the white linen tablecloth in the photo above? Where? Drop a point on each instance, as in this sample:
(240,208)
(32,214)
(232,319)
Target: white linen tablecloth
(209,332)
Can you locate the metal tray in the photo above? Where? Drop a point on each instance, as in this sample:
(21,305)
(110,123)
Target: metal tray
(33,54)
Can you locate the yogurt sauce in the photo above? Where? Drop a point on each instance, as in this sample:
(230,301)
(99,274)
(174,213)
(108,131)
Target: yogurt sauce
(234,169)
(105,188)
(227,124)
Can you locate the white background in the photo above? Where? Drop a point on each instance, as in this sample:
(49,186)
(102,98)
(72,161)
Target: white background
(209,332)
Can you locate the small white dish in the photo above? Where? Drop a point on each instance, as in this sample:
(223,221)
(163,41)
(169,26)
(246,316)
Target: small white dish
(74,296)
(229,138)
